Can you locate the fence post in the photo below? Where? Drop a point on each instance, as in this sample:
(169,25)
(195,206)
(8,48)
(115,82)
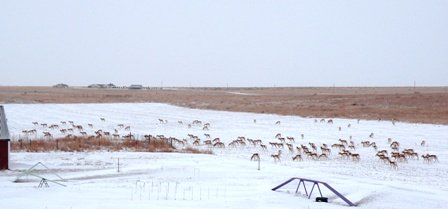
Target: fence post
(118,165)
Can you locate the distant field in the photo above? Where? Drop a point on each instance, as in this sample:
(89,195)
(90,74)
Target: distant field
(422,104)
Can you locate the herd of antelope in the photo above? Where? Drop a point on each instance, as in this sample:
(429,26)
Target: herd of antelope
(346,149)
(296,149)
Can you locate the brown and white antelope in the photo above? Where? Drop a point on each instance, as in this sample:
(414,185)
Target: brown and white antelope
(429,158)
(297,157)
(277,156)
(255,157)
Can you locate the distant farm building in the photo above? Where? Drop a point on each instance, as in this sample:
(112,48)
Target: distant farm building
(4,141)
(135,86)
(102,86)
(60,85)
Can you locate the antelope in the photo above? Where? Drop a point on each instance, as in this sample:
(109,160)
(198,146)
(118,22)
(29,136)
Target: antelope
(302,136)
(330,121)
(343,141)
(371,135)
(349,125)
(127,128)
(340,128)
(281,139)
(35,123)
(325,150)
(257,141)
(392,164)
(233,144)
(313,156)
(90,125)
(344,154)
(71,122)
(395,145)
(263,147)
(290,138)
(103,119)
(43,125)
(197,122)
(365,143)
(207,136)
(180,122)
(219,144)
(382,156)
(428,158)
(47,134)
(129,136)
(290,147)
(278,135)
(323,156)
(340,146)
(207,142)
(255,157)
(205,128)
(63,122)
(83,133)
(423,143)
(277,156)
(352,147)
(355,156)
(277,123)
(384,152)
(297,157)
(120,125)
(53,126)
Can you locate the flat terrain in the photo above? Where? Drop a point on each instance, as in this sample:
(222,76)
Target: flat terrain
(421,105)
(227,178)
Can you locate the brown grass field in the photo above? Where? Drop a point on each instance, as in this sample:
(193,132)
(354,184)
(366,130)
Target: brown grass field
(82,144)
(421,104)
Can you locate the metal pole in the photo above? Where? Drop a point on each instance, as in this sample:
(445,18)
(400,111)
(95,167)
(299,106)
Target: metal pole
(118,165)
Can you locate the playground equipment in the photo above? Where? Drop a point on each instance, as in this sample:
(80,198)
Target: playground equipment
(44,181)
(315,183)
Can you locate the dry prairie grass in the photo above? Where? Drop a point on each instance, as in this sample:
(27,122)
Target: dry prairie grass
(82,144)
(421,104)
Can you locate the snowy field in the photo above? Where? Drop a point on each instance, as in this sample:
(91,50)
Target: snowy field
(227,179)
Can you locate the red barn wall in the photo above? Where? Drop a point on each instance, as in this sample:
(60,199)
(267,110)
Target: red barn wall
(4,154)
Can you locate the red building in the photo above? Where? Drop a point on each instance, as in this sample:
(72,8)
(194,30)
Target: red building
(4,141)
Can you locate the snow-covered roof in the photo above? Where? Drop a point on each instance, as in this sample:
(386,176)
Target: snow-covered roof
(4,133)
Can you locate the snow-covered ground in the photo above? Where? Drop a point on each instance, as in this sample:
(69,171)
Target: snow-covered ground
(227,179)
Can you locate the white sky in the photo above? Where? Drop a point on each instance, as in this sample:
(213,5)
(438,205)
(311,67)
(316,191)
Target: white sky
(220,43)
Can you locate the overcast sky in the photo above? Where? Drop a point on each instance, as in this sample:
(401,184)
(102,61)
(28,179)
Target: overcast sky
(224,43)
